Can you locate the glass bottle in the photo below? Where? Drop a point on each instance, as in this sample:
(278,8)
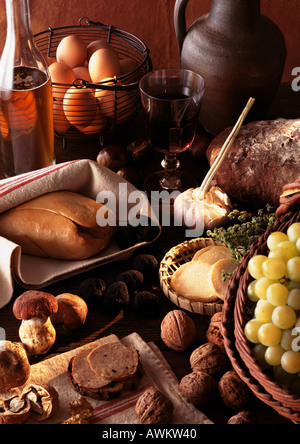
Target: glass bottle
(26,114)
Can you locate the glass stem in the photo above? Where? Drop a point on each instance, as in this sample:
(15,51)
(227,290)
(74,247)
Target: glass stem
(170,165)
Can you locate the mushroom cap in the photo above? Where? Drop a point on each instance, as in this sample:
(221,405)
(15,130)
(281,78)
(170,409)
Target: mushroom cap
(34,304)
(14,365)
(72,311)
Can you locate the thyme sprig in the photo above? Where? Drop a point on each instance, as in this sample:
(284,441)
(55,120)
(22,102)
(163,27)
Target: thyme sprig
(244,229)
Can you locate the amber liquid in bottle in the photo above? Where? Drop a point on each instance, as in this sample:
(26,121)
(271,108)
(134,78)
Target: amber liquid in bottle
(26,122)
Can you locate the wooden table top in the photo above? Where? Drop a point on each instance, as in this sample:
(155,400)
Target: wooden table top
(287,104)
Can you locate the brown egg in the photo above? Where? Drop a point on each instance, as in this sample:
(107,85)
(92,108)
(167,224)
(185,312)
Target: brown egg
(98,44)
(4,128)
(61,123)
(124,107)
(49,60)
(80,106)
(63,75)
(82,72)
(128,65)
(72,50)
(104,63)
(96,126)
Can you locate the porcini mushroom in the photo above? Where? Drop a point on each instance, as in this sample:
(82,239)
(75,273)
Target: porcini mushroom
(36,332)
(72,311)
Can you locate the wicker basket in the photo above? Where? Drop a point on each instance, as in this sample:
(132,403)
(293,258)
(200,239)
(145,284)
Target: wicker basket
(122,97)
(176,257)
(237,312)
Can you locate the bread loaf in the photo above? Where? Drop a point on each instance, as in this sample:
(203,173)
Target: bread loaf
(264,157)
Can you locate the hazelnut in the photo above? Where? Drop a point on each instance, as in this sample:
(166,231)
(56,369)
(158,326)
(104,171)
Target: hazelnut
(113,157)
(208,358)
(198,388)
(214,331)
(233,391)
(241,418)
(153,407)
(178,330)
(36,332)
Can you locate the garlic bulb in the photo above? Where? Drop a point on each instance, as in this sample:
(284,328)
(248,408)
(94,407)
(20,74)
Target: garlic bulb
(193,210)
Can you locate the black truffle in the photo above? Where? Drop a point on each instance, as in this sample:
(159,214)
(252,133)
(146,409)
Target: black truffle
(147,304)
(92,289)
(126,236)
(133,279)
(116,296)
(147,264)
(147,229)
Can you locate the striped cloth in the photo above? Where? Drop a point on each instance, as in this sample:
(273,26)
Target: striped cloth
(157,373)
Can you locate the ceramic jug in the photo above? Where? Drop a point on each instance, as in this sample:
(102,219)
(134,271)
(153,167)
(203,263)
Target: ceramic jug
(239,52)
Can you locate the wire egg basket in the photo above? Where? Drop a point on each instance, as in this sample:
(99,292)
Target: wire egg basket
(96,109)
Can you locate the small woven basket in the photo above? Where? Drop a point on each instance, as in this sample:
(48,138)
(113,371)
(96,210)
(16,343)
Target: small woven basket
(237,312)
(176,257)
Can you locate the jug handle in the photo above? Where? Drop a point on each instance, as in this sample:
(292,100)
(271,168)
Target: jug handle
(180,22)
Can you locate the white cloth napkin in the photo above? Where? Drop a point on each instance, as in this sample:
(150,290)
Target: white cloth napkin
(82,176)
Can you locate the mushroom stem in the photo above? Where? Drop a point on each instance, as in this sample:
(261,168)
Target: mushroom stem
(38,335)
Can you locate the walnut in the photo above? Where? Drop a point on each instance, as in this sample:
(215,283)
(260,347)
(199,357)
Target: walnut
(43,399)
(80,410)
(241,418)
(178,330)
(153,407)
(233,391)
(214,331)
(14,410)
(198,388)
(209,358)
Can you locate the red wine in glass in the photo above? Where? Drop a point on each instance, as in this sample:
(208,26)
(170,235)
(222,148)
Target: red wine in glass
(171,100)
(167,134)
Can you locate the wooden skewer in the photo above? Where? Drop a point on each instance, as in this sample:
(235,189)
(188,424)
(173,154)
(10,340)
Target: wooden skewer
(231,138)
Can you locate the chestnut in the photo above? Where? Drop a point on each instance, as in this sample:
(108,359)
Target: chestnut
(140,150)
(131,174)
(200,145)
(113,157)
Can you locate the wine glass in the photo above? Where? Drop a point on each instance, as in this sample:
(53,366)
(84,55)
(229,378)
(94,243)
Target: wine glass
(171,101)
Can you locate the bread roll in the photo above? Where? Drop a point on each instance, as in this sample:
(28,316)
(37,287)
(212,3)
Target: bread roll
(264,157)
(58,225)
